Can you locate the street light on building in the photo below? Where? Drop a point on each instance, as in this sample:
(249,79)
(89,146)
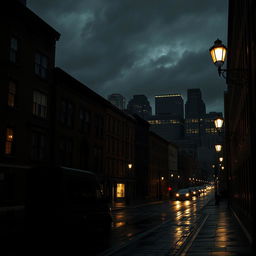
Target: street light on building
(130,166)
(218,53)
(218,122)
(218,147)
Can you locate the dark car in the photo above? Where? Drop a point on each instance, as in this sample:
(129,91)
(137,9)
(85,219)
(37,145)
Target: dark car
(183,194)
(70,200)
(57,206)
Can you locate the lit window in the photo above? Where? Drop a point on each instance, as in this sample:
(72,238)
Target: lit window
(11,94)
(120,190)
(39,104)
(9,141)
(13,50)
(41,65)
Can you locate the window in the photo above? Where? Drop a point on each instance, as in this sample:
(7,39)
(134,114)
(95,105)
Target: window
(66,151)
(9,141)
(84,118)
(41,65)
(38,146)
(99,122)
(66,113)
(120,190)
(39,104)
(13,50)
(11,94)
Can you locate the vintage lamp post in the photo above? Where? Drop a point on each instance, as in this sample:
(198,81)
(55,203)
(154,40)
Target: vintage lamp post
(218,122)
(218,53)
(218,147)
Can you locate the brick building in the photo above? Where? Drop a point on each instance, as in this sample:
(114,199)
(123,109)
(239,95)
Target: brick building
(240,111)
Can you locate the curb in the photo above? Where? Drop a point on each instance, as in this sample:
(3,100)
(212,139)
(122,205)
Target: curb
(247,234)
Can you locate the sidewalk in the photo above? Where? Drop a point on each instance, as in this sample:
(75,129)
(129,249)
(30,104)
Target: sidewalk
(219,235)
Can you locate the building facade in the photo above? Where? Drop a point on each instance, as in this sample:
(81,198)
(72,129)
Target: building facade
(169,105)
(140,105)
(91,134)
(117,100)
(240,112)
(27,64)
(195,106)
(158,167)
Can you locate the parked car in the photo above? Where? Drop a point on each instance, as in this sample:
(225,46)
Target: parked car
(55,205)
(68,199)
(183,194)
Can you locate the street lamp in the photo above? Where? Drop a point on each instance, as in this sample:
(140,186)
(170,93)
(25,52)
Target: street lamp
(218,147)
(130,166)
(221,159)
(218,123)
(218,53)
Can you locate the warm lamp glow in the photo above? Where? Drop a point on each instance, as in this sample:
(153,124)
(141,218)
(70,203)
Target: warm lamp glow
(218,147)
(221,159)
(130,166)
(218,53)
(218,123)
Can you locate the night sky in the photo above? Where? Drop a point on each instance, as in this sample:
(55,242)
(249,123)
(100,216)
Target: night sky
(145,47)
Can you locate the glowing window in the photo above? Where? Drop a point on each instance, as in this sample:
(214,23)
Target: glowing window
(120,190)
(9,141)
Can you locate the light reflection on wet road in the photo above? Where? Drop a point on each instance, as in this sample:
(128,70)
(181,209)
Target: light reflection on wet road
(173,221)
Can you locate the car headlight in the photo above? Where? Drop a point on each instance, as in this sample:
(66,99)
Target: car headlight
(177,194)
(187,194)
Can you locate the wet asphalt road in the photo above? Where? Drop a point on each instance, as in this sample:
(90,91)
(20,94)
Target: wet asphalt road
(158,229)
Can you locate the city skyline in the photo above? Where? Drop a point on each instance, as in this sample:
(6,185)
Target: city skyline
(184,97)
(143,47)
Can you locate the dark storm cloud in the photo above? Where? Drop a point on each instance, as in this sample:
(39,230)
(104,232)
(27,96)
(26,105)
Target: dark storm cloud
(139,47)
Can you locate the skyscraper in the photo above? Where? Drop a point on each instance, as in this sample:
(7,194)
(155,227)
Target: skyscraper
(118,100)
(195,106)
(168,120)
(139,105)
(170,105)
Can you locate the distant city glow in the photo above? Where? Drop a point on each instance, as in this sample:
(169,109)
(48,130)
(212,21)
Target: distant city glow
(168,95)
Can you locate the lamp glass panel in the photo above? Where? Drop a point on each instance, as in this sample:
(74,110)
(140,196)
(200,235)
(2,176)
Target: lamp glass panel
(224,51)
(218,148)
(218,123)
(219,53)
(213,56)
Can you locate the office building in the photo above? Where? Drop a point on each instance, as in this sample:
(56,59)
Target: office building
(117,100)
(195,106)
(139,105)
(170,105)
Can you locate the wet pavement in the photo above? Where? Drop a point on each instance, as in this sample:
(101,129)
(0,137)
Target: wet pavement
(219,235)
(154,229)
(193,228)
